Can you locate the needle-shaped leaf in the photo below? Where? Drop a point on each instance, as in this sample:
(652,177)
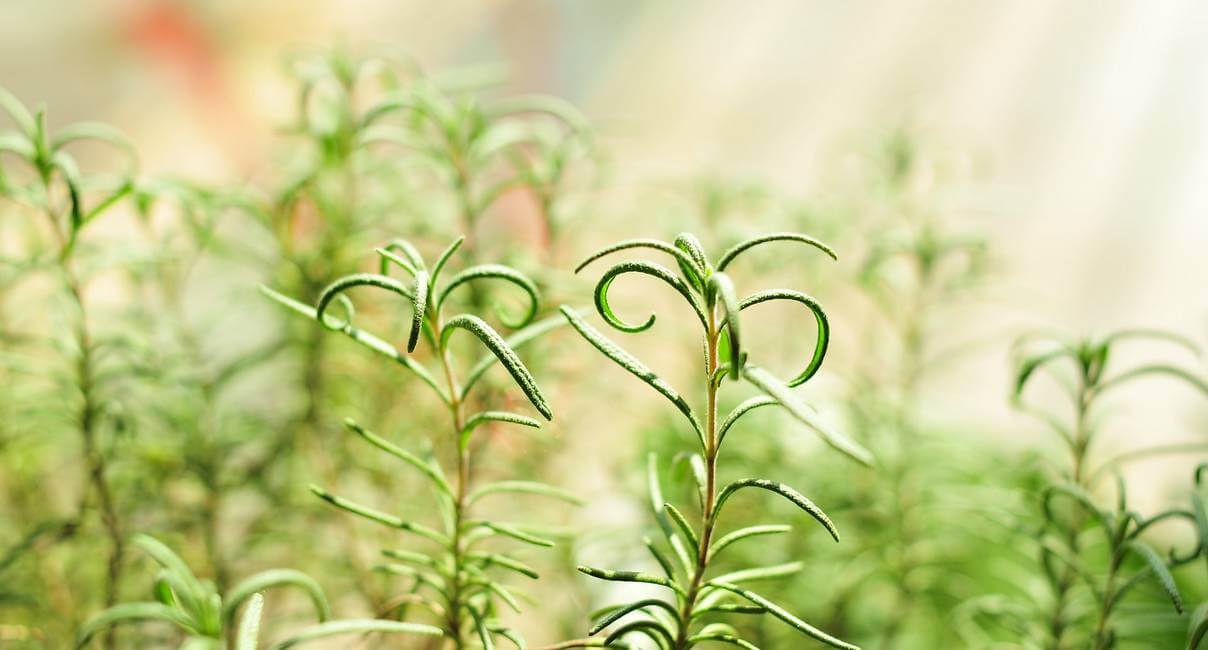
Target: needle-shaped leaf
(524,487)
(653,629)
(484,635)
(431,472)
(1029,365)
(356,626)
(419,305)
(496,559)
(513,532)
(740,410)
(655,490)
(690,245)
(1197,628)
(516,341)
(804,414)
(630,363)
(700,477)
(378,516)
(21,115)
(1158,567)
(741,247)
(389,257)
(133,613)
(620,612)
(444,258)
(496,272)
(187,589)
(495,343)
(782,614)
(1153,335)
(410,557)
(1083,499)
(795,497)
(249,625)
(684,527)
(761,573)
(629,576)
(508,633)
(744,533)
(98,132)
(413,259)
(822,339)
(1155,369)
(645,268)
(680,256)
(269,579)
(362,337)
(555,107)
(722,637)
(70,173)
(478,419)
(356,280)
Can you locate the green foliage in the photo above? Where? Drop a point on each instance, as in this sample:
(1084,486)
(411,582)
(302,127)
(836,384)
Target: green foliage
(1076,531)
(453,583)
(143,386)
(195,607)
(687,619)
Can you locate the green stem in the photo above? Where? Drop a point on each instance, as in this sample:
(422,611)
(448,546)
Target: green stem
(1102,630)
(708,521)
(94,456)
(454,606)
(1065,582)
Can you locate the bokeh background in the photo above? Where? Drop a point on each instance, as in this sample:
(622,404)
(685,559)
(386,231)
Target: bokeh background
(1078,128)
(1072,136)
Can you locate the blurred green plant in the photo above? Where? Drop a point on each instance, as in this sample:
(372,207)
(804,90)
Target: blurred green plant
(58,191)
(207,619)
(1092,555)
(684,621)
(454,584)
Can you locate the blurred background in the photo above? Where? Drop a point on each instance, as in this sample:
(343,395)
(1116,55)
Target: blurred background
(1078,129)
(1073,137)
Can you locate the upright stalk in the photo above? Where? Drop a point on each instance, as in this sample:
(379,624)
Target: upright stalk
(454,584)
(696,597)
(96,478)
(453,608)
(1065,582)
(708,521)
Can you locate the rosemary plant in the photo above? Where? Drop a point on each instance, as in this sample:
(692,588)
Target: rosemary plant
(192,604)
(196,435)
(54,186)
(206,618)
(688,618)
(453,583)
(1092,555)
(1061,557)
(480,150)
(1198,628)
